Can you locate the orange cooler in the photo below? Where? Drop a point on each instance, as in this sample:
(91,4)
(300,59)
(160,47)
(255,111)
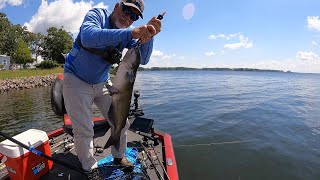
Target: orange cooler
(22,164)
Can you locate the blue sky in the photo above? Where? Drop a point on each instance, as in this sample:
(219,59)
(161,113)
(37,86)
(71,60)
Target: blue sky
(264,34)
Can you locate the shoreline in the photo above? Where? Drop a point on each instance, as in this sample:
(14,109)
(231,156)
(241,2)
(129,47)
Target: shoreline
(10,84)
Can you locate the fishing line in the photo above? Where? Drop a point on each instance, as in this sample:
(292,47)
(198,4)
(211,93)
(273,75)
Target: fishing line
(205,144)
(213,143)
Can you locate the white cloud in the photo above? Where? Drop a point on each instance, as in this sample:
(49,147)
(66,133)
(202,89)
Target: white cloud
(156,53)
(314,22)
(160,55)
(217,36)
(210,53)
(244,43)
(224,36)
(314,43)
(168,56)
(308,56)
(160,59)
(10,2)
(60,13)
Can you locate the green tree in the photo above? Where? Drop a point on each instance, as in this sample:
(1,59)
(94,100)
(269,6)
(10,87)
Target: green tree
(56,42)
(5,25)
(36,40)
(8,36)
(22,54)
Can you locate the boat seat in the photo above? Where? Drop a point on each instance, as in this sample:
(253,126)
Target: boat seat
(99,124)
(141,124)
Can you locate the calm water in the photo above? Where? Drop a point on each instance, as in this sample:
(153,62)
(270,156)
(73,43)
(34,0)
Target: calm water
(275,116)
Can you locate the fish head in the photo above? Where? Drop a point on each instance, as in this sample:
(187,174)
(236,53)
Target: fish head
(127,69)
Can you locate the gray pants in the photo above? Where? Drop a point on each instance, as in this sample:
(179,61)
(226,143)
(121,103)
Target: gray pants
(78,98)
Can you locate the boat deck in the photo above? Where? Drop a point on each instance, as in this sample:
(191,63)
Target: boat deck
(62,148)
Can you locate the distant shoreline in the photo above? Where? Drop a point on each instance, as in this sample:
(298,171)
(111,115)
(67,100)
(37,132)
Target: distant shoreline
(208,69)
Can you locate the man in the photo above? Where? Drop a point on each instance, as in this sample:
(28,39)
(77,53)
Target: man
(87,70)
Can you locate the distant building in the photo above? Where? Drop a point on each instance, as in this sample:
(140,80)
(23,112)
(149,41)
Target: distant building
(4,62)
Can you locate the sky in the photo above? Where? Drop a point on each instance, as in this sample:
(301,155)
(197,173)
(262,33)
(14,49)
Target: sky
(263,34)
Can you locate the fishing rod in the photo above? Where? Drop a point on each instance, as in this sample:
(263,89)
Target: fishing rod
(39,153)
(143,165)
(160,17)
(152,162)
(161,164)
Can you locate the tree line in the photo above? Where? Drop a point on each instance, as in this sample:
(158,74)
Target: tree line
(19,43)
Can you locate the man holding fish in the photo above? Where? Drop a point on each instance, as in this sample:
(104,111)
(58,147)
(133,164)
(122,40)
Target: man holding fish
(101,39)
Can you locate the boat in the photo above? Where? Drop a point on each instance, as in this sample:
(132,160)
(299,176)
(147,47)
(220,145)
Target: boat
(150,150)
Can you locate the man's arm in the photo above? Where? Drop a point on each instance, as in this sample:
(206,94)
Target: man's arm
(93,36)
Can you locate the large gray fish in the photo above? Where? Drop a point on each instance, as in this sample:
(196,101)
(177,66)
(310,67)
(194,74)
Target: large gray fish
(121,94)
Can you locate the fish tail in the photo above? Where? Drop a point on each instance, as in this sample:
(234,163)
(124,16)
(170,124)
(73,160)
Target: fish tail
(113,140)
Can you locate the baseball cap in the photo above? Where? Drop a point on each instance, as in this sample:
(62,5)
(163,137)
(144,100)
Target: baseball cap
(137,4)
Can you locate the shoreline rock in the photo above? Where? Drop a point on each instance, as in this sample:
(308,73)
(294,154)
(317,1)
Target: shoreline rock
(9,84)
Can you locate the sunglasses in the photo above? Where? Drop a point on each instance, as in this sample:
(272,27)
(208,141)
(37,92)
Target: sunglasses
(127,10)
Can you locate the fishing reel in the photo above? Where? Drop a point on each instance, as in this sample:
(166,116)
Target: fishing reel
(135,110)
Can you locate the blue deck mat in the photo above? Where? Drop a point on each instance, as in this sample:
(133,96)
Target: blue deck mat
(117,172)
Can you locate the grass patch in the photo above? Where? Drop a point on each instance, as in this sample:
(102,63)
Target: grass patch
(29,72)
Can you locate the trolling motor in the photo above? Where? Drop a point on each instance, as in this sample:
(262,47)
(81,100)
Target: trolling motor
(134,109)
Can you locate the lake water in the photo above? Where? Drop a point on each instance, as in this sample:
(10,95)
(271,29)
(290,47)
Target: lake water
(239,125)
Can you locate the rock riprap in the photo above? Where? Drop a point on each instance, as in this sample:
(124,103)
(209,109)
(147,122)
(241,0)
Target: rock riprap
(26,82)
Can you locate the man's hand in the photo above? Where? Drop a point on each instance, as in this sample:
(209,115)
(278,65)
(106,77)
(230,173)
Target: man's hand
(156,26)
(146,32)
(143,33)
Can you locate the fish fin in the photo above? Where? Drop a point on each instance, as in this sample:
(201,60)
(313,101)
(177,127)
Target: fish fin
(108,143)
(112,89)
(113,140)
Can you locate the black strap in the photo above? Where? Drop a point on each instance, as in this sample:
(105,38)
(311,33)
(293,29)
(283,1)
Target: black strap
(111,54)
(91,50)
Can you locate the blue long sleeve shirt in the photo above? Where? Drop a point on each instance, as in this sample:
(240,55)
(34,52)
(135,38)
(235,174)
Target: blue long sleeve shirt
(96,32)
